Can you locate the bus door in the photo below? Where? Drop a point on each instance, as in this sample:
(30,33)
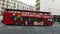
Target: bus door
(39,21)
(30,21)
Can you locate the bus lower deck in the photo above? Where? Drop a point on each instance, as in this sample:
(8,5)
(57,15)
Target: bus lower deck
(27,18)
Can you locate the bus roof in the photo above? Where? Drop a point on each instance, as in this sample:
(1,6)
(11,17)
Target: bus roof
(25,11)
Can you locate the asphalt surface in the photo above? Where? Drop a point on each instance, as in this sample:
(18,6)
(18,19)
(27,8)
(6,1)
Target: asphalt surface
(7,29)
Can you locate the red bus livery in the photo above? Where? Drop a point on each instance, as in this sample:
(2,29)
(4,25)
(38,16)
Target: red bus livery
(26,17)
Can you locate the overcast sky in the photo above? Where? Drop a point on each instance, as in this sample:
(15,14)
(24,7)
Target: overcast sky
(30,2)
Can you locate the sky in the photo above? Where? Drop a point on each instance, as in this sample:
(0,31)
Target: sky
(29,2)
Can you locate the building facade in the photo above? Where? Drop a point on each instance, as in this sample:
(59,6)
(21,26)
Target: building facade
(22,6)
(6,4)
(38,5)
(9,4)
(1,6)
(14,4)
(49,6)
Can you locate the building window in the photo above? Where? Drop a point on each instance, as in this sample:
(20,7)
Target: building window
(37,0)
(5,3)
(52,0)
(23,7)
(11,8)
(10,4)
(1,2)
(26,8)
(5,6)
(18,6)
(0,5)
(12,1)
(0,9)
(1,13)
(9,1)
(5,0)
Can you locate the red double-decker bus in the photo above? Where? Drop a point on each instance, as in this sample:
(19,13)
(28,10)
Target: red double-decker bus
(26,17)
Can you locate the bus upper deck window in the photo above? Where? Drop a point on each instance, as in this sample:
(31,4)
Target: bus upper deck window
(12,11)
(15,12)
(23,12)
(9,11)
(41,14)
(35,14)
(18,12)
(45,14)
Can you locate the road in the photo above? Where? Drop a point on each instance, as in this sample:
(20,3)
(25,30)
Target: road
(5,29)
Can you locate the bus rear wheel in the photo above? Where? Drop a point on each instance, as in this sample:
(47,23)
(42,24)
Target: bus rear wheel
(15,23)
